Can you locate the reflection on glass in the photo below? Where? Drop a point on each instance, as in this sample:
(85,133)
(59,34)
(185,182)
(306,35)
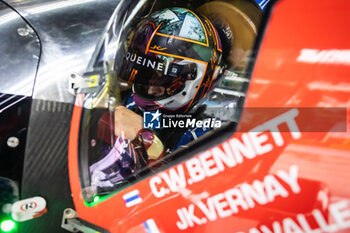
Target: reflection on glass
(168,85)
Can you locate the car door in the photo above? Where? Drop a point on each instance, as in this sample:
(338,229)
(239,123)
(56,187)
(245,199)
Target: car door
(279,168)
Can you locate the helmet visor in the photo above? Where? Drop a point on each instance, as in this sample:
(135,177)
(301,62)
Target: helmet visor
(156,79)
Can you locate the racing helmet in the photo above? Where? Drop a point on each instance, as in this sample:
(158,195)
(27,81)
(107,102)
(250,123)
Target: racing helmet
(171,59)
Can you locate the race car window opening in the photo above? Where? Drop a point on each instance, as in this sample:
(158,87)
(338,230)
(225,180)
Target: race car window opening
(109,163)
(96,140)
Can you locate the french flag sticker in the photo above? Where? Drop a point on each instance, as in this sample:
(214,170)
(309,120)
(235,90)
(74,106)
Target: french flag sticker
(132,198)
(151,226)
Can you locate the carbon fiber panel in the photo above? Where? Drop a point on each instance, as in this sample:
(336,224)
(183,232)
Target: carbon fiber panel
(46,164)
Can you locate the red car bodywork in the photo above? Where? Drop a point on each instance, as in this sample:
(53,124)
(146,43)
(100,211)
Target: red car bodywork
(283,179)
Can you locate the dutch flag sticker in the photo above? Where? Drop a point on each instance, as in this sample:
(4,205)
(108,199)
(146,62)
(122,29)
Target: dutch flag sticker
(151,226)
(132,198)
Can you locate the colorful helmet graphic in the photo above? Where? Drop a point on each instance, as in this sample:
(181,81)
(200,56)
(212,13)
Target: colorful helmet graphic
(172,58)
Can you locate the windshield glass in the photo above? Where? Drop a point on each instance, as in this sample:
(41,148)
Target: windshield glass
(162,77)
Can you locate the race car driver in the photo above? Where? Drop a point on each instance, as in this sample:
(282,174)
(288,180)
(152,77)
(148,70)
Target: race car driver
(171,59)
